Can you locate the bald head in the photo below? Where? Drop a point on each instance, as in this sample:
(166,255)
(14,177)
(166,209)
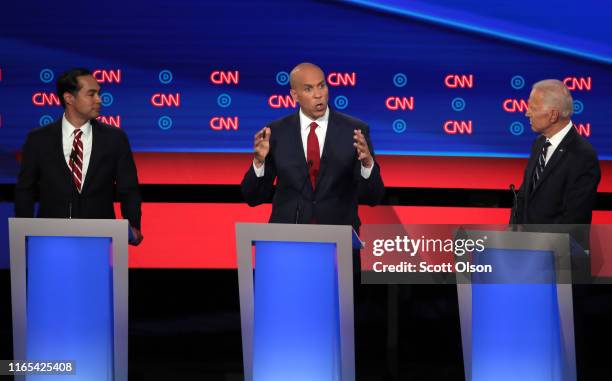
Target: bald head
(308,88)
(555,96)
(301,69)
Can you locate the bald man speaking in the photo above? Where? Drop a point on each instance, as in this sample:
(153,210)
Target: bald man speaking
(322,160)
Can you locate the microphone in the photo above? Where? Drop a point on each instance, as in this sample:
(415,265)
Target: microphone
(514,207)
(299,206)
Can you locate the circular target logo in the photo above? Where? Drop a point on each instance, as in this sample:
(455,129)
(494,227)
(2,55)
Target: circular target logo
(399,126)
(458,104)
(400,80)
(517,82)
(164,122)
(282,78)
(45,119)
(46,75)
(341,102)
(106,99)
(224,100)
(517,128)
(578,107)
(165,76)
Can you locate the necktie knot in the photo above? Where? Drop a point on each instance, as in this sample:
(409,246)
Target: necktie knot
(313,126)
(77,133)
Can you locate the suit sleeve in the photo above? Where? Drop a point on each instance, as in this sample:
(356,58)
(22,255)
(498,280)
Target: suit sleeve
(522,192)
(581,193)
(27,181)
(127,183)
(372,189)
(257,190)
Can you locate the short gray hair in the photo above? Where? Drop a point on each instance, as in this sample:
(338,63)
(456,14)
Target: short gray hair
(557,96)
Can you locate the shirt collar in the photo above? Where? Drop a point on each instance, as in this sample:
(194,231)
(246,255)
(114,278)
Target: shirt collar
(305,121)
(68,128)
(556,139)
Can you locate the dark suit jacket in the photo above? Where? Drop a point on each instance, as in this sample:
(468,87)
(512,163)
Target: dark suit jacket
(567,191)
(565,196)
(44,172)
(340,186)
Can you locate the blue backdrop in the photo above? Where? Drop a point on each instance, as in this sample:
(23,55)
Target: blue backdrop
(381,49)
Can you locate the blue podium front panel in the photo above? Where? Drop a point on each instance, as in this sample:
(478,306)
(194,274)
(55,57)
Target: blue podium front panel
(516,332)
(296,317)
(69,304)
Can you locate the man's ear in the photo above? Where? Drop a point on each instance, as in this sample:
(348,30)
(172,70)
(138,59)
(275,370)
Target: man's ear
(293,94)
(554,116)
(68,98)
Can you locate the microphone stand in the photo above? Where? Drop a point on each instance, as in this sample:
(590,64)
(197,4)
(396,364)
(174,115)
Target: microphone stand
(298,208)
(514,207)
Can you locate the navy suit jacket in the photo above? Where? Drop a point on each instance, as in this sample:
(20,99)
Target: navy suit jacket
(44,173)
(340,186)
(565,196)
(567,191)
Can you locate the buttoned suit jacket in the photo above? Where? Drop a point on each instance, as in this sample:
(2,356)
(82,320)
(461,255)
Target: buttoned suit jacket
(45,175)
(339,185)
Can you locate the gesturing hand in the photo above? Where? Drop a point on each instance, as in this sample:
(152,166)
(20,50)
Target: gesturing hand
(363,151)
(261,145)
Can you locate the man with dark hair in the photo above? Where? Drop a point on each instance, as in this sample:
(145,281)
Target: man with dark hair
(76,163)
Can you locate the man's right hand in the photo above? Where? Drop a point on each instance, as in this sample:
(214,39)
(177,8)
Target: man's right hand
(261,146)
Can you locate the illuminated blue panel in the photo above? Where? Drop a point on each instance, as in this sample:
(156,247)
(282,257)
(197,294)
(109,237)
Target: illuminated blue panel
(69,304)
(515,327)
(296,324)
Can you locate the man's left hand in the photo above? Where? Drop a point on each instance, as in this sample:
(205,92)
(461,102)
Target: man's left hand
(363,151)
(137,236)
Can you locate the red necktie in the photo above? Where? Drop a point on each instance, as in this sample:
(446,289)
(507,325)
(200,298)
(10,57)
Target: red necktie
(313,157)
(76,159)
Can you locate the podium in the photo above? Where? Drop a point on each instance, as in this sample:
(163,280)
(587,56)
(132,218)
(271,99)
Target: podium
(296,303)
(69,291)
(518,323)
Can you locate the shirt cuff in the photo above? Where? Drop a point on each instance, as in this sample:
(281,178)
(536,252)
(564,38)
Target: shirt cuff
(259,172)
(366,172)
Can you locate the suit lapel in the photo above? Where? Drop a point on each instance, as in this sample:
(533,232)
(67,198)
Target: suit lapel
(557,156)
(330,137)
(297,139)
(96,145)
(533,161)
(58,152)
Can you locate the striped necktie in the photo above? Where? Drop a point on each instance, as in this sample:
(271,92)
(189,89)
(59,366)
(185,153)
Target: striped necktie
(76,160)
(537,174)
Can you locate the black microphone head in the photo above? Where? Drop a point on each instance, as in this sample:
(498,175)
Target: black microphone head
(512,187)
(309,162)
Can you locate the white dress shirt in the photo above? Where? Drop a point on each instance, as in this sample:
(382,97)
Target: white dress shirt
(556,139)
(68,139)
(321,132)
